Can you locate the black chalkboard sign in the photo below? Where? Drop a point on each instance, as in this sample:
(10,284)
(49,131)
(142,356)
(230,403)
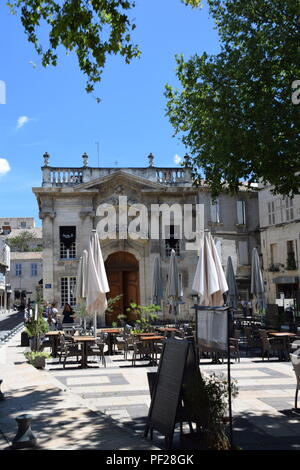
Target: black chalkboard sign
(176,393)
(167,391)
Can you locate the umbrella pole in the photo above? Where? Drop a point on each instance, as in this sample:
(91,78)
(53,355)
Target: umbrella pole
(95,324)
(229,381)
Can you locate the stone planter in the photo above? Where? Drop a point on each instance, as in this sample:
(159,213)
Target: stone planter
(39,362)
(24,339)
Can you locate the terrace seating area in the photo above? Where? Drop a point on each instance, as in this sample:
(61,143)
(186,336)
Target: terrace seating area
(248,338)
(75,345)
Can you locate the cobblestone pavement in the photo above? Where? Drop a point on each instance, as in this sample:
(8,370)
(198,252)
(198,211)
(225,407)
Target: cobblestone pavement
(263,412)
(111,404)
(61,419)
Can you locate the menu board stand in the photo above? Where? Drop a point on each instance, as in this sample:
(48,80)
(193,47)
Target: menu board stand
(176,393)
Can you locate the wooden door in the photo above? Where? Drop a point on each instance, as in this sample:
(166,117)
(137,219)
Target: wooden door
(122,270)
(131,295)
(115,282)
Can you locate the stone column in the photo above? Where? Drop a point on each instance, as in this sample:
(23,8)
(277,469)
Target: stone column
(48,256)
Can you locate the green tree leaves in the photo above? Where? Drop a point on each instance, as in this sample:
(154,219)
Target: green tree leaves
(234,110)
(93,29)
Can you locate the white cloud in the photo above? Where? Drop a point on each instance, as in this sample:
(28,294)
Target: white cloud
(4,166)
(177,159)
(21,121)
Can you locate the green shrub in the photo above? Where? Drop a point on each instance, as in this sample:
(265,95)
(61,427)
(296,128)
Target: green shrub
(32,355)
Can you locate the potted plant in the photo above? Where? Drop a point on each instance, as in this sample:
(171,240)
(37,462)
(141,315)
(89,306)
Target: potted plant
(37,358)
(110,308)
(145,316)
(216,390)
(35,328)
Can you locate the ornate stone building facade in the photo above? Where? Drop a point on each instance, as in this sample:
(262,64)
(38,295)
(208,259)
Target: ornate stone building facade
(69,201)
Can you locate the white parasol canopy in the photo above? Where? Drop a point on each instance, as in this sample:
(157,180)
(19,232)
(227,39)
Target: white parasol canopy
(257,282)
(157,282)
(173,292)
(210,281)
(232,295)
(81,284)
(97,284)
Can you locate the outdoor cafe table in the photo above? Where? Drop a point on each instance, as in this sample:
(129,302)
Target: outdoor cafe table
(144,334)
(84,340)
(111,332)
(149,340)
(54,335)
(285,336)
(167,329)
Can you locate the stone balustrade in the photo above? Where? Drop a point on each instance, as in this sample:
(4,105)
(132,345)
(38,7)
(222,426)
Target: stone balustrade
(172,175)
(62,176)
(53,176)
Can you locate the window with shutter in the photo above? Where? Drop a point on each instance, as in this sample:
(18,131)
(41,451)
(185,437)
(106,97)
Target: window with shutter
(215,211)
(241,212)
(243,253)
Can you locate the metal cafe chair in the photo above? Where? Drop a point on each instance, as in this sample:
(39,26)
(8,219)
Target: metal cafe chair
(295,359)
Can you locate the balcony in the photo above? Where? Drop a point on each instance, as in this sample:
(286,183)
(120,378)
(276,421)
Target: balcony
(275,267)
(64,177)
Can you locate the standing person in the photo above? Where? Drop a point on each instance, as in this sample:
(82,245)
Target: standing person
(47,309)
(250,308)
(244,308)
(68,314)
(54,314)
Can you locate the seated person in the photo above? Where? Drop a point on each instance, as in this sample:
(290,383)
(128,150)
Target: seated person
(68,314)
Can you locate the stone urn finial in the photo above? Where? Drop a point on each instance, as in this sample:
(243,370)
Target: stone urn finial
(151,159)
(85,159)
(186,160)
(46,158)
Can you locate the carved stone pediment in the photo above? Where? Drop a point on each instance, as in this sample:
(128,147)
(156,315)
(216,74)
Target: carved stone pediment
(118,181)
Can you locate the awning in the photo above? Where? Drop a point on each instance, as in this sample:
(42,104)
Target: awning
(67,235)
(286,280)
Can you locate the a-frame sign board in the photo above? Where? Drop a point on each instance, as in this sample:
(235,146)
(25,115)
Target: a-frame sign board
(177,390)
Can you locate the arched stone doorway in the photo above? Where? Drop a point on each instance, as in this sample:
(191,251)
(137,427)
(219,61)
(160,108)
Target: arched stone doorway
(122,269)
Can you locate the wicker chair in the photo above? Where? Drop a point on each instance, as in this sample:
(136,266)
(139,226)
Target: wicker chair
(270,345)
(129,341)
(97,350)
(139,348)
(234,348)
(68,349)
(252,341)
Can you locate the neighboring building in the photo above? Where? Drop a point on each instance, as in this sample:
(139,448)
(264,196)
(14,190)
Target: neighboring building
(5,289)
(26,258)
(68,202)
(26,271)
(7,224)
(34,244)
(280,244)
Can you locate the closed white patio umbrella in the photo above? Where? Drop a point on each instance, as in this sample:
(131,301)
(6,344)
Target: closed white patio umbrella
(257,282)
(157,282)
(97,284)
(81,283)
(232,294)
(173,290)
(209,281)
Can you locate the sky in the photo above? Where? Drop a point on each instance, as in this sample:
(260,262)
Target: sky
(48,110)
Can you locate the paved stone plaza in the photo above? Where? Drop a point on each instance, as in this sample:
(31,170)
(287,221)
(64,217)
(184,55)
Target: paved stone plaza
(76,408)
